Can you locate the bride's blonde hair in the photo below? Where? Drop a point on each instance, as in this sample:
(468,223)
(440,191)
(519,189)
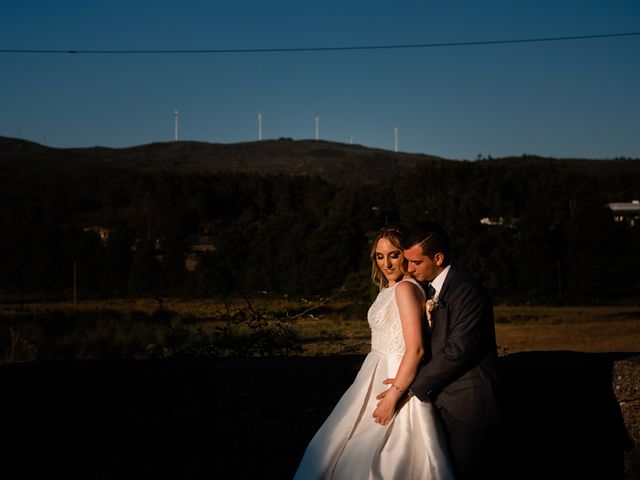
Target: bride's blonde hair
(395,234)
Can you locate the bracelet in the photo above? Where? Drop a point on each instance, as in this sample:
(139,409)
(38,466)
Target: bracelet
(398,388)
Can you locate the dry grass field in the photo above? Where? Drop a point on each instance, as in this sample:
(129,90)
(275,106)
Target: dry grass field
(518,328)
(584,329)
(341,328)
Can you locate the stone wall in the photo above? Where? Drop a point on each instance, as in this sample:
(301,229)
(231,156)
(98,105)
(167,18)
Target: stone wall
(626,385)
(567,415)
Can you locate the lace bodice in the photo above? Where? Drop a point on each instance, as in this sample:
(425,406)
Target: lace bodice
(384,321)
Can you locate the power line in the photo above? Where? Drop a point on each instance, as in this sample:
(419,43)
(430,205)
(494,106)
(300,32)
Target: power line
(329,49)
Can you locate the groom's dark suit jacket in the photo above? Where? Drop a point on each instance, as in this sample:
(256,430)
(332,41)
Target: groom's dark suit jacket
(461,374)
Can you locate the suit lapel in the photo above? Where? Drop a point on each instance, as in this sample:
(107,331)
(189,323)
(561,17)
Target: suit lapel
(440,314)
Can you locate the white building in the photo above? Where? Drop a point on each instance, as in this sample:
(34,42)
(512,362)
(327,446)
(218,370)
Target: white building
(500,222)
(628,212)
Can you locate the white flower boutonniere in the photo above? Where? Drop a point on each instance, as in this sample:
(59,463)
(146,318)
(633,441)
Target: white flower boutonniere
(432,304)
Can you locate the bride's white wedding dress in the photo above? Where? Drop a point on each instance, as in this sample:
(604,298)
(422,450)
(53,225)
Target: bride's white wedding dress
(351,446)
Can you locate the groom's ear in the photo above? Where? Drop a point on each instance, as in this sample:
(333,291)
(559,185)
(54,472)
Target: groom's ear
(438,258)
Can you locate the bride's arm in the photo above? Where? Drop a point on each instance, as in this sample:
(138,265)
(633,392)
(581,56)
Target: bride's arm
(410,306)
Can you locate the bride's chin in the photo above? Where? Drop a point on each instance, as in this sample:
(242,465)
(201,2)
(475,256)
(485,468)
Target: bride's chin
(393,278)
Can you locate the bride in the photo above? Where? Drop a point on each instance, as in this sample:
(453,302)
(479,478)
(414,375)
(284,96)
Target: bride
(398,437)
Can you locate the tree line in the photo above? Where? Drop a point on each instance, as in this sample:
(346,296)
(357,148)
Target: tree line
(548,236)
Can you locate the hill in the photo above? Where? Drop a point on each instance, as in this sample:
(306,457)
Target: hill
(334,162)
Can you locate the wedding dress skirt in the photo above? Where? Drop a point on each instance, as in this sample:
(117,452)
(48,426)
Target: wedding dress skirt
(351,446)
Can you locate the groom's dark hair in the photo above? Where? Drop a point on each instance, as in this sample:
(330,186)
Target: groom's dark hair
(432,239)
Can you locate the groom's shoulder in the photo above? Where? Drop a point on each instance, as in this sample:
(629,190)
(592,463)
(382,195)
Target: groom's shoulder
(460,277)
(459,274)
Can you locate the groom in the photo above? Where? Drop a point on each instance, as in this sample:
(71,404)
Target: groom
(460,377)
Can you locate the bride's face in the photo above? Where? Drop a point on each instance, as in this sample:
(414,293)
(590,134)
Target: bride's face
(389,259)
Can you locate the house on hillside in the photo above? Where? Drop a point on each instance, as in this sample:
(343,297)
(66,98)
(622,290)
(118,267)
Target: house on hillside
(202,246)
(626,212)
(102,232)
(500,222)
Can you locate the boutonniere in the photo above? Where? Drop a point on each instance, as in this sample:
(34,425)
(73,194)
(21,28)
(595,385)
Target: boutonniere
(432,304)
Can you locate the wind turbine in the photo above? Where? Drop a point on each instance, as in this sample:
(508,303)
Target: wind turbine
(259,125)
(395,138)
(175,125)
(317,127)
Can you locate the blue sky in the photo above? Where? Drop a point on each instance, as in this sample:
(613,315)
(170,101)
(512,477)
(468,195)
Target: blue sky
(577,98)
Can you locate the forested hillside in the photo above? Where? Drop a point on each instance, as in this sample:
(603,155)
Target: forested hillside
(289,217)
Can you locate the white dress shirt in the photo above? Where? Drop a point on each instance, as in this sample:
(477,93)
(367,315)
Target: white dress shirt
(437,282)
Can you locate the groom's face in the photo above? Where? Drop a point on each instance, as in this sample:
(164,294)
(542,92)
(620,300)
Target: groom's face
(423,268)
